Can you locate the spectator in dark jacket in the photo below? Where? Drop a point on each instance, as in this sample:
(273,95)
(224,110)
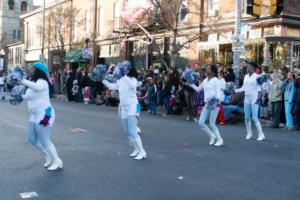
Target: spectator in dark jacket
(167,93)
(229,76)
(69,85)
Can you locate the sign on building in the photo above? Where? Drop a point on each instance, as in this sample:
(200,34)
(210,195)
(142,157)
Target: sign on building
(86,53)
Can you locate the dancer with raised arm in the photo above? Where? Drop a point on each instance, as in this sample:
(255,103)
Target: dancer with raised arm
(211,87)
(42,115)
(128,108)
(251,87)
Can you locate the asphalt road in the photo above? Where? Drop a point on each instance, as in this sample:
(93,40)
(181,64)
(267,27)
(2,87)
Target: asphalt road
(180,166)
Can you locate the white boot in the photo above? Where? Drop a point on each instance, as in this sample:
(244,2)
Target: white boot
(48,158)
(135,147)
(210,134)
(249,131)
(219,138)
(57,163)
(138,130)
(261,135)
(142,153)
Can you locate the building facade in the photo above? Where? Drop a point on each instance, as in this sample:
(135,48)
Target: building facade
(268,39)
(201,33)
(11,29)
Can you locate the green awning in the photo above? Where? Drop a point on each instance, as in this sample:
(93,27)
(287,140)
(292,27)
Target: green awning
(73,56)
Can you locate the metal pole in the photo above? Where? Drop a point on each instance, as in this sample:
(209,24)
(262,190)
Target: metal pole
(43,36)
(292,55)
(71,25)
(237,54)
(95,32)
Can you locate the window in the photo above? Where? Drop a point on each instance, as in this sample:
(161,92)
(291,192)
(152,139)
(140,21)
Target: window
(30,35)
(19,34)
(117,15)
(14,34)
(87,21)
(183,10)
(213,7)
(100,21)
(23,6)
(11,4)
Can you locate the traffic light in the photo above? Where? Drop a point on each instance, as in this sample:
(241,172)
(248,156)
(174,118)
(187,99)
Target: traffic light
(276,7)
(254,7)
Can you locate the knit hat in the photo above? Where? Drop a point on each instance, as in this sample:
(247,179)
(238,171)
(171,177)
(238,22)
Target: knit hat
(42,67)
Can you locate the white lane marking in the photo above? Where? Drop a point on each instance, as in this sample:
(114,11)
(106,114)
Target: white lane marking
(81,130)
(27,195)
(13,124)
(78,130)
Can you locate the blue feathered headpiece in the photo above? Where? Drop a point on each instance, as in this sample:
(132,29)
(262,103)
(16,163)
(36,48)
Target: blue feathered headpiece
(229,89)
(190,76)
(16,94)
(14,75)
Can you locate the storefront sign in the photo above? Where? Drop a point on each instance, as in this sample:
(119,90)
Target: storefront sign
(86,53)
(269,32)
(213,37)
(254,34)
(226,37)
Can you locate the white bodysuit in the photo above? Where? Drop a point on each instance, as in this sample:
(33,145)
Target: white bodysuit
(127,94)
(38,99)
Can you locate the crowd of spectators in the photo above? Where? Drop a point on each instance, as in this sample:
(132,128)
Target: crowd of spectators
(163,91)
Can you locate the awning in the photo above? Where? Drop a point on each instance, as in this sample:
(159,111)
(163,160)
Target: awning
(73,56)
(283,39)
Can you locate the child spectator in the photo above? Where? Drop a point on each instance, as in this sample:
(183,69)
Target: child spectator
(86,95)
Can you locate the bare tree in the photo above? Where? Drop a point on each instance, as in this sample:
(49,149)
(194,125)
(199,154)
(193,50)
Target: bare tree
(59,20)
(172,19)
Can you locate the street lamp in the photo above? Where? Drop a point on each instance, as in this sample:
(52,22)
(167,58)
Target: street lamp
(2,54)
(86,51)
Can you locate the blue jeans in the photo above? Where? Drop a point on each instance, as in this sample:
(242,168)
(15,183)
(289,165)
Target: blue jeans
(39,136)
(288,114)
(166,104)
(129,125)
(160,98)
(152,106)
(297,115)
(212,119)
(228,111)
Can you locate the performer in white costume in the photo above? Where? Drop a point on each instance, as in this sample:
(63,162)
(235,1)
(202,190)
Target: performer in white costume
(128,108)
(42,115)
(212,94)
(251,87)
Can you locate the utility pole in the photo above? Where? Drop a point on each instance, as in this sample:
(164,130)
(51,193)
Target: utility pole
(237,33)
(72,24)
(42,57)
(95,32)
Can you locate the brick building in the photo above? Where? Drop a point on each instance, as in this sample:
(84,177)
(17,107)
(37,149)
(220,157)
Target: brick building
(269,40)
(202,33)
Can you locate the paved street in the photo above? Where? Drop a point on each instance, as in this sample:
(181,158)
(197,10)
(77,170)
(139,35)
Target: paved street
(181,165)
